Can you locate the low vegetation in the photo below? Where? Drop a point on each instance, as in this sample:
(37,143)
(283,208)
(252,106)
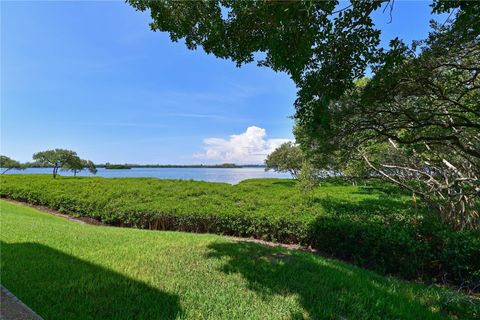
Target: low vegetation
(376,226)
(66,270)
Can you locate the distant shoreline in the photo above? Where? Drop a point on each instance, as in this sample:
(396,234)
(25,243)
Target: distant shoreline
(221,166)
(131,166)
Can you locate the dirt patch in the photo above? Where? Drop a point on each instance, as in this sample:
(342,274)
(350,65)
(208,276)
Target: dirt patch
(274,244)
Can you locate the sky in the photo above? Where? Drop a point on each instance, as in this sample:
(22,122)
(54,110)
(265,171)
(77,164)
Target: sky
(92,77)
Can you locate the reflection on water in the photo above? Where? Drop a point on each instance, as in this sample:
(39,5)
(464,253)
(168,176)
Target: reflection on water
(228,175)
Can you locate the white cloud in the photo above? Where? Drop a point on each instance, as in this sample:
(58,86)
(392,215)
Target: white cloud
(250,147)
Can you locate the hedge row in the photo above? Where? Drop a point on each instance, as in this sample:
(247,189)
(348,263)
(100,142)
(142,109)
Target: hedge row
(374,226)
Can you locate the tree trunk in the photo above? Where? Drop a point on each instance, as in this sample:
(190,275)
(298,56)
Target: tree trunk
(54,172)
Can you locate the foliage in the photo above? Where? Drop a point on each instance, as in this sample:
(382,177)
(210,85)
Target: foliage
(76,164)
(113,273)
(309,177)
(57,158)
(286,158)
(8,164)
(374,226)
(117,166)
(417,123)
(90,166)
(65,160)
(323,45)
(290,158)
(333,163)
(298,37)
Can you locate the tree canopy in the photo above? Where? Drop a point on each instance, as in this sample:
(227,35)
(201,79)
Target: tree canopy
(76,165)
(286,158)
(323,45)
(417,123)
(306,39)
(7,164)
(63,159)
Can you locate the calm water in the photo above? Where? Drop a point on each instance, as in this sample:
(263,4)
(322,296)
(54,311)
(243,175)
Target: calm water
(229,175)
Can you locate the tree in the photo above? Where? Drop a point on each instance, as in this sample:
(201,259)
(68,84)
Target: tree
(416,123)
(73,164)
(76,165)
(63,159)
(90,166)
(56,158)
(286,158)
(308,177)
(433,130)
(8,164)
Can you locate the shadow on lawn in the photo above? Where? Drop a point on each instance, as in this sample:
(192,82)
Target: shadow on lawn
(385,188)
(59,286)
(326,289)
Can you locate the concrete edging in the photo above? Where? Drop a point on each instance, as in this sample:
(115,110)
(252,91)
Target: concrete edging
(12,308)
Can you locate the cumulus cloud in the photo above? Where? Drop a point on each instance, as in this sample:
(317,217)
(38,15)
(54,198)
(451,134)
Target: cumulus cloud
(250,147)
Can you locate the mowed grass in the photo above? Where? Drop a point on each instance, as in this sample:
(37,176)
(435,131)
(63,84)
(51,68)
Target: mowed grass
(66,270)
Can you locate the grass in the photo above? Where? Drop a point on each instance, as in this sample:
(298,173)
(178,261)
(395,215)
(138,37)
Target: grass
(66,270)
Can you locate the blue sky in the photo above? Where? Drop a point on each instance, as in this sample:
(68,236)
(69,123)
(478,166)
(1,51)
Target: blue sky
(92,77)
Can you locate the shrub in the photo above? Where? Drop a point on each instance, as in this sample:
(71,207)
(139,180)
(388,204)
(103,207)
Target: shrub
(374,226)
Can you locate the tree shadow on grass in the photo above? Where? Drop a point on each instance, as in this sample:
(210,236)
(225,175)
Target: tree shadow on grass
(59,286)
(382,188)
(326,289)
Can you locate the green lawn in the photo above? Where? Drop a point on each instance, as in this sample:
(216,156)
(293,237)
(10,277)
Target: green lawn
(66,270)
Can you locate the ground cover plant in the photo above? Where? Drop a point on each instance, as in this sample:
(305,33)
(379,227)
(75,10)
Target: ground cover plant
(66,270)
(374,226)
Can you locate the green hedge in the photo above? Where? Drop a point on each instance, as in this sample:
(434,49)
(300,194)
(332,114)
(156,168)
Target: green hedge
(374,226)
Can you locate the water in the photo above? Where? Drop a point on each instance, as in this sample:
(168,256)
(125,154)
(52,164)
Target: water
(228,175)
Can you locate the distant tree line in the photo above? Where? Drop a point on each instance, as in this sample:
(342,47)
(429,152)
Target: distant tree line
(129,165)
(68,160)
